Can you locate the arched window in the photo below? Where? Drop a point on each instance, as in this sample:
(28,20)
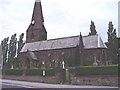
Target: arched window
(32,36)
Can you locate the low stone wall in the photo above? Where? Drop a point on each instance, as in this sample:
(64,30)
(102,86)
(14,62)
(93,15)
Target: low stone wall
(94,80)
(82,80)
(57,79)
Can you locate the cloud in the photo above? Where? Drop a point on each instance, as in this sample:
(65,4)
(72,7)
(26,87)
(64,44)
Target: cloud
(62,18)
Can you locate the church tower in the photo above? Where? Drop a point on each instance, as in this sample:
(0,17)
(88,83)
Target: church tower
(36,30)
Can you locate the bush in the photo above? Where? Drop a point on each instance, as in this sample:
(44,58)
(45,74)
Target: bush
(13,72)
(35,72)
(96,70)
(87,62)
(50,72)
(31,72)
(39,72)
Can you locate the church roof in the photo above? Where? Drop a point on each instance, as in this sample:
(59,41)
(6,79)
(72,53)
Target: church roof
(89,42)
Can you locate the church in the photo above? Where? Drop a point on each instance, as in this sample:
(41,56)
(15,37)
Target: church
(62,52)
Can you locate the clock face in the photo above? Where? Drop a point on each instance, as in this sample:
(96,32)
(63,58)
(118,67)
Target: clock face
(33,22)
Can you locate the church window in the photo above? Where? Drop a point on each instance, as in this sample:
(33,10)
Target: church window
(32,36)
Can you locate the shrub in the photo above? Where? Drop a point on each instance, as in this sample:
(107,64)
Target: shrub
(39,72)
(35,72)
(50,72)
(13,71)
(87,62)
(96,70)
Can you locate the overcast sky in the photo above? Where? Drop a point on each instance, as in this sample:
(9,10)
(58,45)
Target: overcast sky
(62,17)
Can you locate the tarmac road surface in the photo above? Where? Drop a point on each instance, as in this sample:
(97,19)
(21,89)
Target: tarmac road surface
(23,85)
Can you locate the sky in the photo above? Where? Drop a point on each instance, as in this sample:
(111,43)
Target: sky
(62,18)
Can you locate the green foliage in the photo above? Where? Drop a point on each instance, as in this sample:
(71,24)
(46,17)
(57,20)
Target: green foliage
(17,72)
(20,43)
(96,70)
(15,62)
(29,72)
(12,49)
(71,60)
(9,50)
(4,45)
(112,44)
(0,54)
(92,29)
(35,72)
(87,62)
(118,42)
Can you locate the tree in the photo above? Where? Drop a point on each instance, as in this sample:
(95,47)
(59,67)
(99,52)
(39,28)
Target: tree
(112,43)
(4,45)
(20,43)
(12,50)
(0,54)
(92,29)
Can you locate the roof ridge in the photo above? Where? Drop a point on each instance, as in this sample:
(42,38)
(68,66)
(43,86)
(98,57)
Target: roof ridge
(63,38)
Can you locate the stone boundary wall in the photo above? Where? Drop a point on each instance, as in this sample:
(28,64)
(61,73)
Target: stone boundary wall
(57,79)
(94,80)
(81,80)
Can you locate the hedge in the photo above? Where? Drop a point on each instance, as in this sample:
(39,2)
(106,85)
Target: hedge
(29,72)
(79,71)
(16,72)
(97,70)
(39,72)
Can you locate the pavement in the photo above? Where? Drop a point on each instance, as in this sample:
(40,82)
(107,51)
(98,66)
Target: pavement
(58,86)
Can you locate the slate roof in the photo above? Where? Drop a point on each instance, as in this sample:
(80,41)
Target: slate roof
(93,41)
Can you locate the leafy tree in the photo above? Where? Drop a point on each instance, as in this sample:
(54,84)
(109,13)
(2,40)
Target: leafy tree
(20,43)
(112,43)
(0,54)
(4,45)
(118,42)
(92,29)
(12,50)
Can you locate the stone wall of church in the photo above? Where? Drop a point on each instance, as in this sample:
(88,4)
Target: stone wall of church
(96,55)
(55,58)
(50,58)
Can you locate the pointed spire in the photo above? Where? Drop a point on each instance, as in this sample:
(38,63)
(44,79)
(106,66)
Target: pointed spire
(37,17)
(36,27)
(37,0)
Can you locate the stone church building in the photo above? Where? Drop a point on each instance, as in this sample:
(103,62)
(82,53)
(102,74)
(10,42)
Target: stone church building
(57,53)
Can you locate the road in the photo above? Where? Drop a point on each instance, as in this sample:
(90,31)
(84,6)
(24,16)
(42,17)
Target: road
(42,86)
(10,85)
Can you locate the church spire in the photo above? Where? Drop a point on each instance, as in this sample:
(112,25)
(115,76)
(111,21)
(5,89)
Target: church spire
(37,17)
(36,30)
